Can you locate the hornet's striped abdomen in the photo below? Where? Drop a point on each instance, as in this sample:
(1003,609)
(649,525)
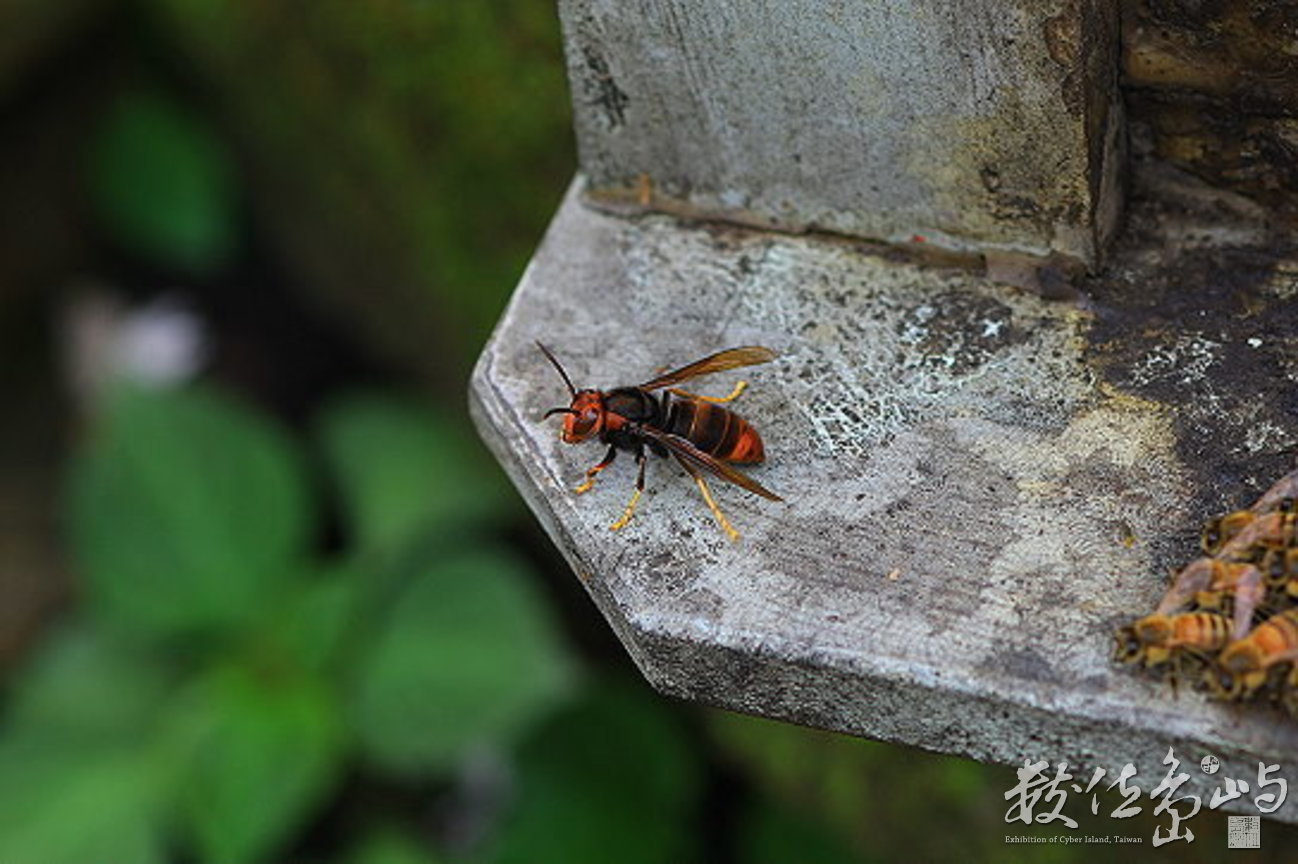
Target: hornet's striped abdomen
(717,431)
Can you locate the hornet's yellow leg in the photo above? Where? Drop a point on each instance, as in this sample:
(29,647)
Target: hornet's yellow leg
(635,499)
(716,511)
(627,513)
(734,394)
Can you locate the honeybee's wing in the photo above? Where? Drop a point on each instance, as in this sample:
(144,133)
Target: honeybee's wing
(695,459)
(731,358)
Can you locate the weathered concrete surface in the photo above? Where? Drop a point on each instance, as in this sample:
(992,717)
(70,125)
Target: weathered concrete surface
(981,485)
(978,124)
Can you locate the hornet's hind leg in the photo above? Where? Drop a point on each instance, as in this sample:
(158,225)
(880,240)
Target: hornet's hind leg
(712,504)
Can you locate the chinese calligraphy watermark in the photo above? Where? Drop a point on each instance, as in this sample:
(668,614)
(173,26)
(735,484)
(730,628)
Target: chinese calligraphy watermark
(1039,797)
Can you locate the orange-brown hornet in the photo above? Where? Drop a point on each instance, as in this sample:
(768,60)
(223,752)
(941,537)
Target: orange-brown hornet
(696,430)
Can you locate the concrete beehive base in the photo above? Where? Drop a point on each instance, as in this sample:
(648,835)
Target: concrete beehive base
(980,486)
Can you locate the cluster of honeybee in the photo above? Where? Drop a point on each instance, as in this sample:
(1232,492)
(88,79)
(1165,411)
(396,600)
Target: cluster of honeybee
(1229,620)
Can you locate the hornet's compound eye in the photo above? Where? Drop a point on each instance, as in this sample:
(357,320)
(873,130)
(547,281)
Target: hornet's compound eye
(586,417)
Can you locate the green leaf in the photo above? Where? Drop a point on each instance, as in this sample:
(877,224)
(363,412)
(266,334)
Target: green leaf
(404,470)
(313,622)
(185,512)
(265,751)
(468,657)
(163,183)
(62,803)
(611,773)
(78,750)
(87,688)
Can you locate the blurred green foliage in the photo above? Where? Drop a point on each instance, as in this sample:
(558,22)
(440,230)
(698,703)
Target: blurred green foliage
(478,611)
(390,846)
(589,795)
(383,482)
(187,513)
(404,155)
(223,675)
(164,184)
(774,834)
(931,807)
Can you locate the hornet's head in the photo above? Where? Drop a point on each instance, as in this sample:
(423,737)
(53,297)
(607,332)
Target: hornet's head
(585,414)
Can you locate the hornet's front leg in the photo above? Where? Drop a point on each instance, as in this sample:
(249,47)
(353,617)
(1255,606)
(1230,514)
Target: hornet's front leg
(590,473)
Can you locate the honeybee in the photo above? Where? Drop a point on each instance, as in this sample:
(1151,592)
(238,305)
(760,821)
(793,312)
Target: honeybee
(1245,664)
(1156,639)
(1205,581)
(1280,569)
(1275,530)
(1217,532)
(1280,497)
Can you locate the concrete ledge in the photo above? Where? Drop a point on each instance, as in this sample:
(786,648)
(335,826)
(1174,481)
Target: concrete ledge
(981,485)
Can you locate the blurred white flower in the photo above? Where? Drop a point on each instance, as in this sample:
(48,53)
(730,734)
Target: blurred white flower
(162,343)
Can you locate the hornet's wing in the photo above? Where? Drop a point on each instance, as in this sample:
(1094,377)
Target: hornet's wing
(731,358)
(695,459)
